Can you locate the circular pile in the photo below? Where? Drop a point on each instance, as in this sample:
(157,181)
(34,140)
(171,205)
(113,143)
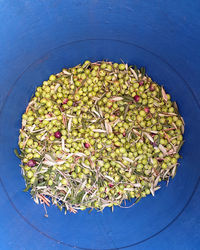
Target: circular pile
(97,134)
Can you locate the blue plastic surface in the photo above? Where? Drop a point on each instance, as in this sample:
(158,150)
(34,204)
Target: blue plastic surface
(38,38)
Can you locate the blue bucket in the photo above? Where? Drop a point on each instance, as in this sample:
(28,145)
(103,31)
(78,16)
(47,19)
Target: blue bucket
(38,38)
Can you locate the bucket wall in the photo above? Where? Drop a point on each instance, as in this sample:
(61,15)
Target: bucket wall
(38,38)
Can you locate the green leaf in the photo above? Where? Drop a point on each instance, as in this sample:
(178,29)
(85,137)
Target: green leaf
(138,200)
(60,208)
(157,141)
(159,94)
(90,210)
(17,153)
(127,98)
(79,196)
(136,69)
(57,178)
(36,159)
(32,96)
(133,136)
(42,183)
(35,183)
(84,123)
(27,188)
(126,110)
(180,145)
(142,71)
(39,167)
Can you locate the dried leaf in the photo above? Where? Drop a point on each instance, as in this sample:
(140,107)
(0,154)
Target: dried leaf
(83,184)
(49,161)
(64,120)
(134,73)
(137,185)
(94,111)
(180,145)
(43,137)
(100,112)
(92,164)
(69,125)
(95,98)
(71,80)
(175,107)
(129,189)
(154,132)
(116,98)
(128,159)
(69,155)
(182,120)
(174,125)
(152,190)
(71,116)
(50,119)
(99,130)
(121,164)
(165,174)
(66,72)
(182,129)
(36,200)
(164,95)
(43,198)
(135,132)
(156,181)
(174,171)
(85,166)
(149,137)
(80,154)
(110,178)
(167,114)
(56,87)
(156,188)
(49,158)
(63,144)
(171,152)
(115,122)
(162,149)
(23,122)
(30,103)
(108,127)
(46,198)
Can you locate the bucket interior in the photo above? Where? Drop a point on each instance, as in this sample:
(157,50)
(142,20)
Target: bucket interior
(99,31)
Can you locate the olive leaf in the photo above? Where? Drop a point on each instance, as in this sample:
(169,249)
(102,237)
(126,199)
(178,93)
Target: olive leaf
(27,188)
(138,199)
(20,156)
(142,70)
(164,95)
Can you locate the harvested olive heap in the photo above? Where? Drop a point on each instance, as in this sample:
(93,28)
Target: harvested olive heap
(98,134)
